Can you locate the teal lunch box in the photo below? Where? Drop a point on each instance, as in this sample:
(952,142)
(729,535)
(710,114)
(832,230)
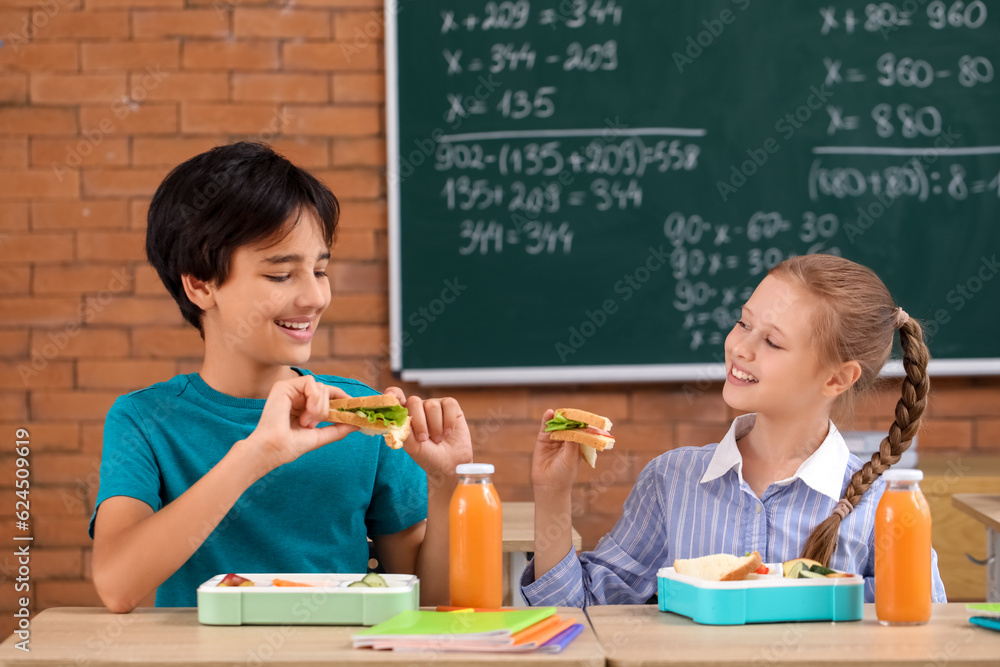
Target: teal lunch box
(327,601)
(761,598)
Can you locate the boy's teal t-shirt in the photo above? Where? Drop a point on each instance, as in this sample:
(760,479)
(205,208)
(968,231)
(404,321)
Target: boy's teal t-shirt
(311,515)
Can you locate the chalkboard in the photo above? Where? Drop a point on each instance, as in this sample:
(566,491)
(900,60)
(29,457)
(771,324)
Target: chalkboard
(588,190)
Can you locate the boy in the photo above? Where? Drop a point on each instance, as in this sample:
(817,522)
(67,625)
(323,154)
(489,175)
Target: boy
(225,470)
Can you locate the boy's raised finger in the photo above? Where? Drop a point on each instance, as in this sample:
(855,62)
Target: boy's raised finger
(397,392)
(418,422)
(451,415)
(435,420)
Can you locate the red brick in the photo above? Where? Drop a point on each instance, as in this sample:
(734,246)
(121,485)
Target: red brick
(961,402)
(79,278)
(77,215)
(15,280)
(696,434)
(48,436)
(690,401)
(21,121)
(13,216)
(138,210)
(988,435)
(14,152)
(355,308)
(167,342)
(16,22)
(359,277)
(358,88)
(164,54)
(180,86)
(133,4)
(340,3)
(353,244)
(52,405)
(59,500)
(359,152)
(328,56)
(52,57)
(127,375)
(359,28)
(36,248)
(38,183)
(14,406)
(85,25)
(945,435)
(76,88)
(122,182)
(285,22)
(133,311)
(24,375)
(70,593)
(110,246)
(242,55)
(185,23)
(57,563)
(130,118)
(13,344)
(81,342)
(350,368)
(333,121)
(39,311)
(13,88)
(352,183)
(170,151)
(79,152)
(92,438)
(147,282)
(360,340)
(267,87)
(304,152)
(198,117)
(356,214)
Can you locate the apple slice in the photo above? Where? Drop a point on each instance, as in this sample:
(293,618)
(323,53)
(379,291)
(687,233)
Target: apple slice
(235,580)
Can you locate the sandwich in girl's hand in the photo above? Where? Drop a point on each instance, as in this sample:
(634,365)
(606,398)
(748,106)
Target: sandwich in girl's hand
(374,415)
(585,428)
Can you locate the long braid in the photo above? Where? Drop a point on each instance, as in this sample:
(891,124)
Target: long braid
(909,410)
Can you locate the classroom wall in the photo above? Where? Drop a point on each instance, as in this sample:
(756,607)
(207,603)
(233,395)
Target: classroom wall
(98,100)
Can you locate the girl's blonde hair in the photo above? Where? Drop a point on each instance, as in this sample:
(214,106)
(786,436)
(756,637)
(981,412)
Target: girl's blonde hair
(857,320)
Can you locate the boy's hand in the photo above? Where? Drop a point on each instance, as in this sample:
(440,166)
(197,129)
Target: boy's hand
(439,435)
(287,426)
(554,462)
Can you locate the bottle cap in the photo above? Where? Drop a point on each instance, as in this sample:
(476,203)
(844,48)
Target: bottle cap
(905,475)
(474,469)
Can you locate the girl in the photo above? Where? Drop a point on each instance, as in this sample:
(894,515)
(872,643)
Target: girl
(812,337)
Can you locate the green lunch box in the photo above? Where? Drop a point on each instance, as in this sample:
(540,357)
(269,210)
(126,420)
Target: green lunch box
(329,600)
(761,598)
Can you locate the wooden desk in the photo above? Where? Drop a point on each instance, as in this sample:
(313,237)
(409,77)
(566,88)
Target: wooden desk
(643,635)
(985,509)
(91,637)
(518,541)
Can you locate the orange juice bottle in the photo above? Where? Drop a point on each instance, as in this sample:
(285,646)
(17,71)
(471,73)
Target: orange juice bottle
(903,551)
(475,539)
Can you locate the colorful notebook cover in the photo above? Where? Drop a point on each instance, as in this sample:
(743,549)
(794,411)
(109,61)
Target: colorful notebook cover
(442,627)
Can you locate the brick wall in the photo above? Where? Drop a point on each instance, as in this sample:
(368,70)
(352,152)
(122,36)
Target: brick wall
(98,99)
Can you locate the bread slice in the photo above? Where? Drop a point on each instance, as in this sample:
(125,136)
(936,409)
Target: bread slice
(718,567)
(597,421)
(589,455)
(340,413)
(598,442)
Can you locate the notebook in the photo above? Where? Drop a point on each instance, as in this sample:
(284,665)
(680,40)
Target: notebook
(989,615)
(452,628)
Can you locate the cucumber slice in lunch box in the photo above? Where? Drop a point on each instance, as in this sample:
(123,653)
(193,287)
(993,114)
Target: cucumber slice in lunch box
(355,584)
(819,569)
(795,570)
(809,574)
(373,580)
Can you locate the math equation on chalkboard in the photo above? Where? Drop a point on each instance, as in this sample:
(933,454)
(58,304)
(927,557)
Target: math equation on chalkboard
(683,150)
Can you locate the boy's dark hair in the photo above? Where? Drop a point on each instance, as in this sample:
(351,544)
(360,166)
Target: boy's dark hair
(221,200)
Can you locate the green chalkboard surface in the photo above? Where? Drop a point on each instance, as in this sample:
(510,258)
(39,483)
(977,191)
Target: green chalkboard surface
(588,190)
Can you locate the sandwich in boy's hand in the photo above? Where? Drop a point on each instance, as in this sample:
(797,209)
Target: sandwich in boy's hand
(374,415)
(585,428)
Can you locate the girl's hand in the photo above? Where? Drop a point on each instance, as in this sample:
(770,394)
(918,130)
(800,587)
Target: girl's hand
(287,426)
(555,462)
(439,435)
